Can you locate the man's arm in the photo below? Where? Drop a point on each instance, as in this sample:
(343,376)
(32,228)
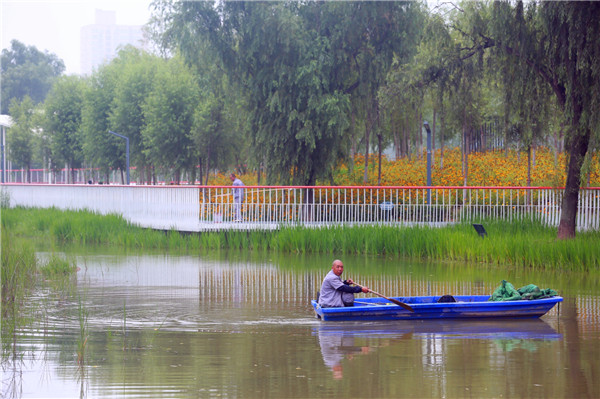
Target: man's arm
(348,288)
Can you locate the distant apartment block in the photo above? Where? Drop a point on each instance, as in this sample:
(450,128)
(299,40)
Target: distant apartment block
(101,41)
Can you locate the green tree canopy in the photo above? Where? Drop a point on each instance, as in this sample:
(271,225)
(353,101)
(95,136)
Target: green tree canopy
(63,109)
(22,134)
(26,71)
(168,113)
(137,72)
(298,65)
(102,149)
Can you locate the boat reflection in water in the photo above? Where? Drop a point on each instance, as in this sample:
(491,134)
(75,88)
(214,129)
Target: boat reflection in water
(344,341)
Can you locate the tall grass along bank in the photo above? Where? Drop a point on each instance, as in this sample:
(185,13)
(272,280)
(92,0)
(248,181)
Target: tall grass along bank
(522,243)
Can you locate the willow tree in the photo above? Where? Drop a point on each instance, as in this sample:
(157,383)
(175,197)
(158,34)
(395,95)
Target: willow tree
(559,43)
(284,72)
(300,67)
(366,37)
(573,72)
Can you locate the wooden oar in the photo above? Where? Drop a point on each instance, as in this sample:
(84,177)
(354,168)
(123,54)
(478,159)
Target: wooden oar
(372,303)
(397,302)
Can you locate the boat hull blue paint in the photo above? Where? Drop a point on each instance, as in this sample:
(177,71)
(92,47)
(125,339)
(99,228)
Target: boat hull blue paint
(427,307)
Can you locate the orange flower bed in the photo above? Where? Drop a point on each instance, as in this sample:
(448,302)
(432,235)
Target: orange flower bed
(492,168)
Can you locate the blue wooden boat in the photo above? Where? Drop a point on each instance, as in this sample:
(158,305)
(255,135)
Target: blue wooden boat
(428,307)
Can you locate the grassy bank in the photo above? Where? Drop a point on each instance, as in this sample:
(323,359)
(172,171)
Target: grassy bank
(519,243)
(21,273)
(19,268)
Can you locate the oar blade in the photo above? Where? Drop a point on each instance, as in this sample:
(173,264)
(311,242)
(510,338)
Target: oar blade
(405,306)
(397,302)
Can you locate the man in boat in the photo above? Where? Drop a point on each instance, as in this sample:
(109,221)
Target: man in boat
(335,292)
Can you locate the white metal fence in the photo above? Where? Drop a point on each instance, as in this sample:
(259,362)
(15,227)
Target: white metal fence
(202,208)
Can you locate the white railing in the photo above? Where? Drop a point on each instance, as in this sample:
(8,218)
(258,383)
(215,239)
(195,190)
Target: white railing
(202,208)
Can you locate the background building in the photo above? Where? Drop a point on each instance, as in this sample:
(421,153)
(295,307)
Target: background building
(101,41)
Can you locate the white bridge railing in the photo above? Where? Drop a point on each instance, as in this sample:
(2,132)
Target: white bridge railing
(204,208)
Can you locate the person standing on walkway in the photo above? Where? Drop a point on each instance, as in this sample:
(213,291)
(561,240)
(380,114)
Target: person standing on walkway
(238,196)
(335,292)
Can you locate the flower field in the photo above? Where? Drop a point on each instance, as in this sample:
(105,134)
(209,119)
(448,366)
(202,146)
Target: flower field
(492,168)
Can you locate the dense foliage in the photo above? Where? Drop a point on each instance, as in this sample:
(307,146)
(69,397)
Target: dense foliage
(27,72)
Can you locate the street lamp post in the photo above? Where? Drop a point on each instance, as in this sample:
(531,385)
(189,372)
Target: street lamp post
(428,129)
(126,150)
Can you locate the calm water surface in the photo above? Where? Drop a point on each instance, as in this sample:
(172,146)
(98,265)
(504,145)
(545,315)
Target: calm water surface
(232,325)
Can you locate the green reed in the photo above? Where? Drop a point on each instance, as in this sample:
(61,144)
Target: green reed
(57,267)
(522,243)
(19,266)
(83,333)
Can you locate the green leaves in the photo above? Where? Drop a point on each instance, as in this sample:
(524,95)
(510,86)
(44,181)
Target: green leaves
(22,137)
(26,71)
(168,112)
(297,66)
(63,116)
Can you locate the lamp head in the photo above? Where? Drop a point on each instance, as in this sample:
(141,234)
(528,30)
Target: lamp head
(426,125)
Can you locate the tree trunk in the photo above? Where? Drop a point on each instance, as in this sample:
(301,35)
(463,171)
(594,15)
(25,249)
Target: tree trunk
(442,139)
(528,192)
(465,158)
(207,168)
(578,148)
(200,171)
(379,140)
(406,135)
(397,141)
(506,149)
(433,137)
(419,135)
(368,128)
(529,166)
(482,138)
(353,140)
(72,174)
(404,141)
(193,171)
